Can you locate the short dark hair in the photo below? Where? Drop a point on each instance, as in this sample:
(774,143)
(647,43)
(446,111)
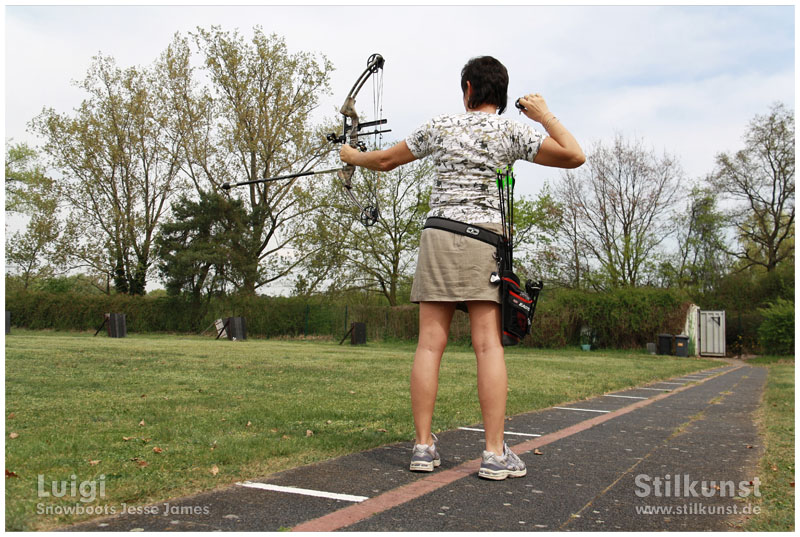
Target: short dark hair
(489,80)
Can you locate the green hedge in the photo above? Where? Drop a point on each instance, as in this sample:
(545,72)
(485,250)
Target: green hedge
(776,333)
(626,318)
(623,318)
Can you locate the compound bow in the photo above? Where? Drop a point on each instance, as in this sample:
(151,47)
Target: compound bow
(350,132)
(369,214)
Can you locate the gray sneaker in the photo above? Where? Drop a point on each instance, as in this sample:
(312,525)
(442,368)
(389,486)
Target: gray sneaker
(425,458)
(496,467)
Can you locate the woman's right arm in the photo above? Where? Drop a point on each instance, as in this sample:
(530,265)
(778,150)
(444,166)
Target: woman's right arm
(560,149)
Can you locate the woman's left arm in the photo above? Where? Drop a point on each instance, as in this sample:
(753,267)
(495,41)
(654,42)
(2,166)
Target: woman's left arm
(381,160)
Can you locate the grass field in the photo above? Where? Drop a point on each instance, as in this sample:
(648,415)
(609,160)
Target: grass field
(163,416)
(776,417)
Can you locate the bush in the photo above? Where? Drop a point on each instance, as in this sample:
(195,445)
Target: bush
(621,318)
(625,318)
(776,333)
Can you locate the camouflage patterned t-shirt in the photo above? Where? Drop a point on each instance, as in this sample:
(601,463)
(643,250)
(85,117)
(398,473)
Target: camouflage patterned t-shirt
(467,150)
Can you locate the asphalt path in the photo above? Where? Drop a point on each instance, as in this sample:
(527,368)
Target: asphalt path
(676,455)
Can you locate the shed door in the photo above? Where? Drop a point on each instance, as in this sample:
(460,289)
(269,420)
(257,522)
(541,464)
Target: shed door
(712,333)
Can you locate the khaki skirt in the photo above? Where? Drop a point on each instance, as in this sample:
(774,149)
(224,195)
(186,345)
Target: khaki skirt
(454,268)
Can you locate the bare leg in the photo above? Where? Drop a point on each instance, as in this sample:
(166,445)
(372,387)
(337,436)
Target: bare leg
(484,320)
(434,327)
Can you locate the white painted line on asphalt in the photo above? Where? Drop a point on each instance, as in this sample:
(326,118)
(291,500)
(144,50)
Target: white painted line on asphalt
(581,409)
(304,492)
(506,432)
(676,383)
(624,396)
(655,389)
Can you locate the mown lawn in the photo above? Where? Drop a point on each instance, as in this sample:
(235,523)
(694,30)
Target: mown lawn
(154,417)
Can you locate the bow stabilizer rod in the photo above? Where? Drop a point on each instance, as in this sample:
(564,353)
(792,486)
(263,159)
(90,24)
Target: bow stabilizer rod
(228,186)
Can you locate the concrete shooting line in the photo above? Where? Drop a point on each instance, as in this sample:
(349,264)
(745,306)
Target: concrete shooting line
(624,396)
(383,502)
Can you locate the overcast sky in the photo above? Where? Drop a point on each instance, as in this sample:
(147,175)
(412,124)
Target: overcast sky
(685,80)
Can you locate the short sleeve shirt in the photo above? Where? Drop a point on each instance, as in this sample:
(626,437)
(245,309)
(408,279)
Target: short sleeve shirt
(467,149)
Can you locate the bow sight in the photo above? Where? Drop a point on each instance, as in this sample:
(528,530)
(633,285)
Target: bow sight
(342,138)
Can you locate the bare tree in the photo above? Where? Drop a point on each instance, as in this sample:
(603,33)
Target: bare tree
(570,250)
(761,178)
(622,199)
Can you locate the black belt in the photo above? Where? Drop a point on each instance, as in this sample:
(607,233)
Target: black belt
(468,230)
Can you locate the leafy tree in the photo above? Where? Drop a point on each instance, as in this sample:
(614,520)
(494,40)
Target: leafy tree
(117,169)
(257,125)
(343,255)
(536,223)
(700,260)
(199,245)
(36,251)
(761,178)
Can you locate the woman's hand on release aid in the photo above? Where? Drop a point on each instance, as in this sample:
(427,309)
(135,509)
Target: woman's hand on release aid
(535,107)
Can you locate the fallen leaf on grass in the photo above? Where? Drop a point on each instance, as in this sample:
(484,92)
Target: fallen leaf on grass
(141,423)
(309,432)
(248,424)
(139,461)
(11,474)
(14,435)
(329,422)
(774,468)
(126,438)
(94,463)
(157,450)
(273,430)
(214,470)
(382,430)
(11,416)
(285,437)
(537,452)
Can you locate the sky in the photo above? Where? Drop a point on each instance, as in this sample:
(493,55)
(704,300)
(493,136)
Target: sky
(683,80)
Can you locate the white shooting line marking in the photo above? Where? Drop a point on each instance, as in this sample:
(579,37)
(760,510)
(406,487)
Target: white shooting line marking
(676,383)
(506,432)
(304,492)
(582,409)
(655,389)
(625,396)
